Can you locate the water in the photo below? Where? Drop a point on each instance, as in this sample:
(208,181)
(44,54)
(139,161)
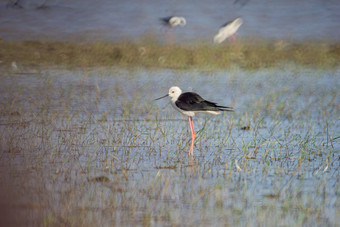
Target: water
(118,20)
(61,129)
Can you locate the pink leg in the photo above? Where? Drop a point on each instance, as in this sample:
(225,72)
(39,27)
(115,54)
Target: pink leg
(234,36)
(170,38)
(191,123)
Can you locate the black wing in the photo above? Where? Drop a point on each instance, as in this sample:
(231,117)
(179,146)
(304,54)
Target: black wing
(165,20)
(225,24)
(229,22)
(190,101)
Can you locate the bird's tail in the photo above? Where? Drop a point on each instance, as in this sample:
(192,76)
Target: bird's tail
(225,108)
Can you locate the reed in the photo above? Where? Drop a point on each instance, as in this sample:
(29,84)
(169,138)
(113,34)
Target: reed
(247,54)
(88,147)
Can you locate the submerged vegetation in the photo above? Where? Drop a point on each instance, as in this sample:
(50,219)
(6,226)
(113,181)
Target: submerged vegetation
(246,53)
(82,144)
(88,147)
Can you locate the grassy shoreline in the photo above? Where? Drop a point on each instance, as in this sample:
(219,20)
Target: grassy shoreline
(246,54)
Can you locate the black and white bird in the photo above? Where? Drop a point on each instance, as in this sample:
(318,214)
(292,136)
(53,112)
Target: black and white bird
(227,30)
(190,103)
(174,21)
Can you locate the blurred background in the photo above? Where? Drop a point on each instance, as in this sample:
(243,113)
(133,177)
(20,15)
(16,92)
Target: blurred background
(132,19)
(82,143)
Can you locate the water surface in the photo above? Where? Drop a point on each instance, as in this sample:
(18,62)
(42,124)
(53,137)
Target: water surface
(92,147)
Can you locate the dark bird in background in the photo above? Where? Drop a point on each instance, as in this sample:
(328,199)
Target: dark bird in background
(227,30)
(174,21)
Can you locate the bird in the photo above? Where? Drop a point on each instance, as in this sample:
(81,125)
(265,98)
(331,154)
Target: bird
(171,22)
(241,2)
(174,21)
(227,30)
(190,103)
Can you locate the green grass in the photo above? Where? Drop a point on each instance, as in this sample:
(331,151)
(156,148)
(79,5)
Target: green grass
(88,147)
(248,54)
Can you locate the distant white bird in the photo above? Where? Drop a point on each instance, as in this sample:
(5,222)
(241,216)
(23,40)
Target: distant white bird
(14,66)
(227,30)
(174,21)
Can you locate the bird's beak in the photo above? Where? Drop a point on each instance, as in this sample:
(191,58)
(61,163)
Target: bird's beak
(162,97)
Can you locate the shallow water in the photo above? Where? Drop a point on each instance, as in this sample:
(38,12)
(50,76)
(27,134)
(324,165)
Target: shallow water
(117,20)
(91,147)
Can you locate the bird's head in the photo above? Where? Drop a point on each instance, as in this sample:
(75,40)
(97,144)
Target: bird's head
(238,22)
(174,93)
(175,21)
